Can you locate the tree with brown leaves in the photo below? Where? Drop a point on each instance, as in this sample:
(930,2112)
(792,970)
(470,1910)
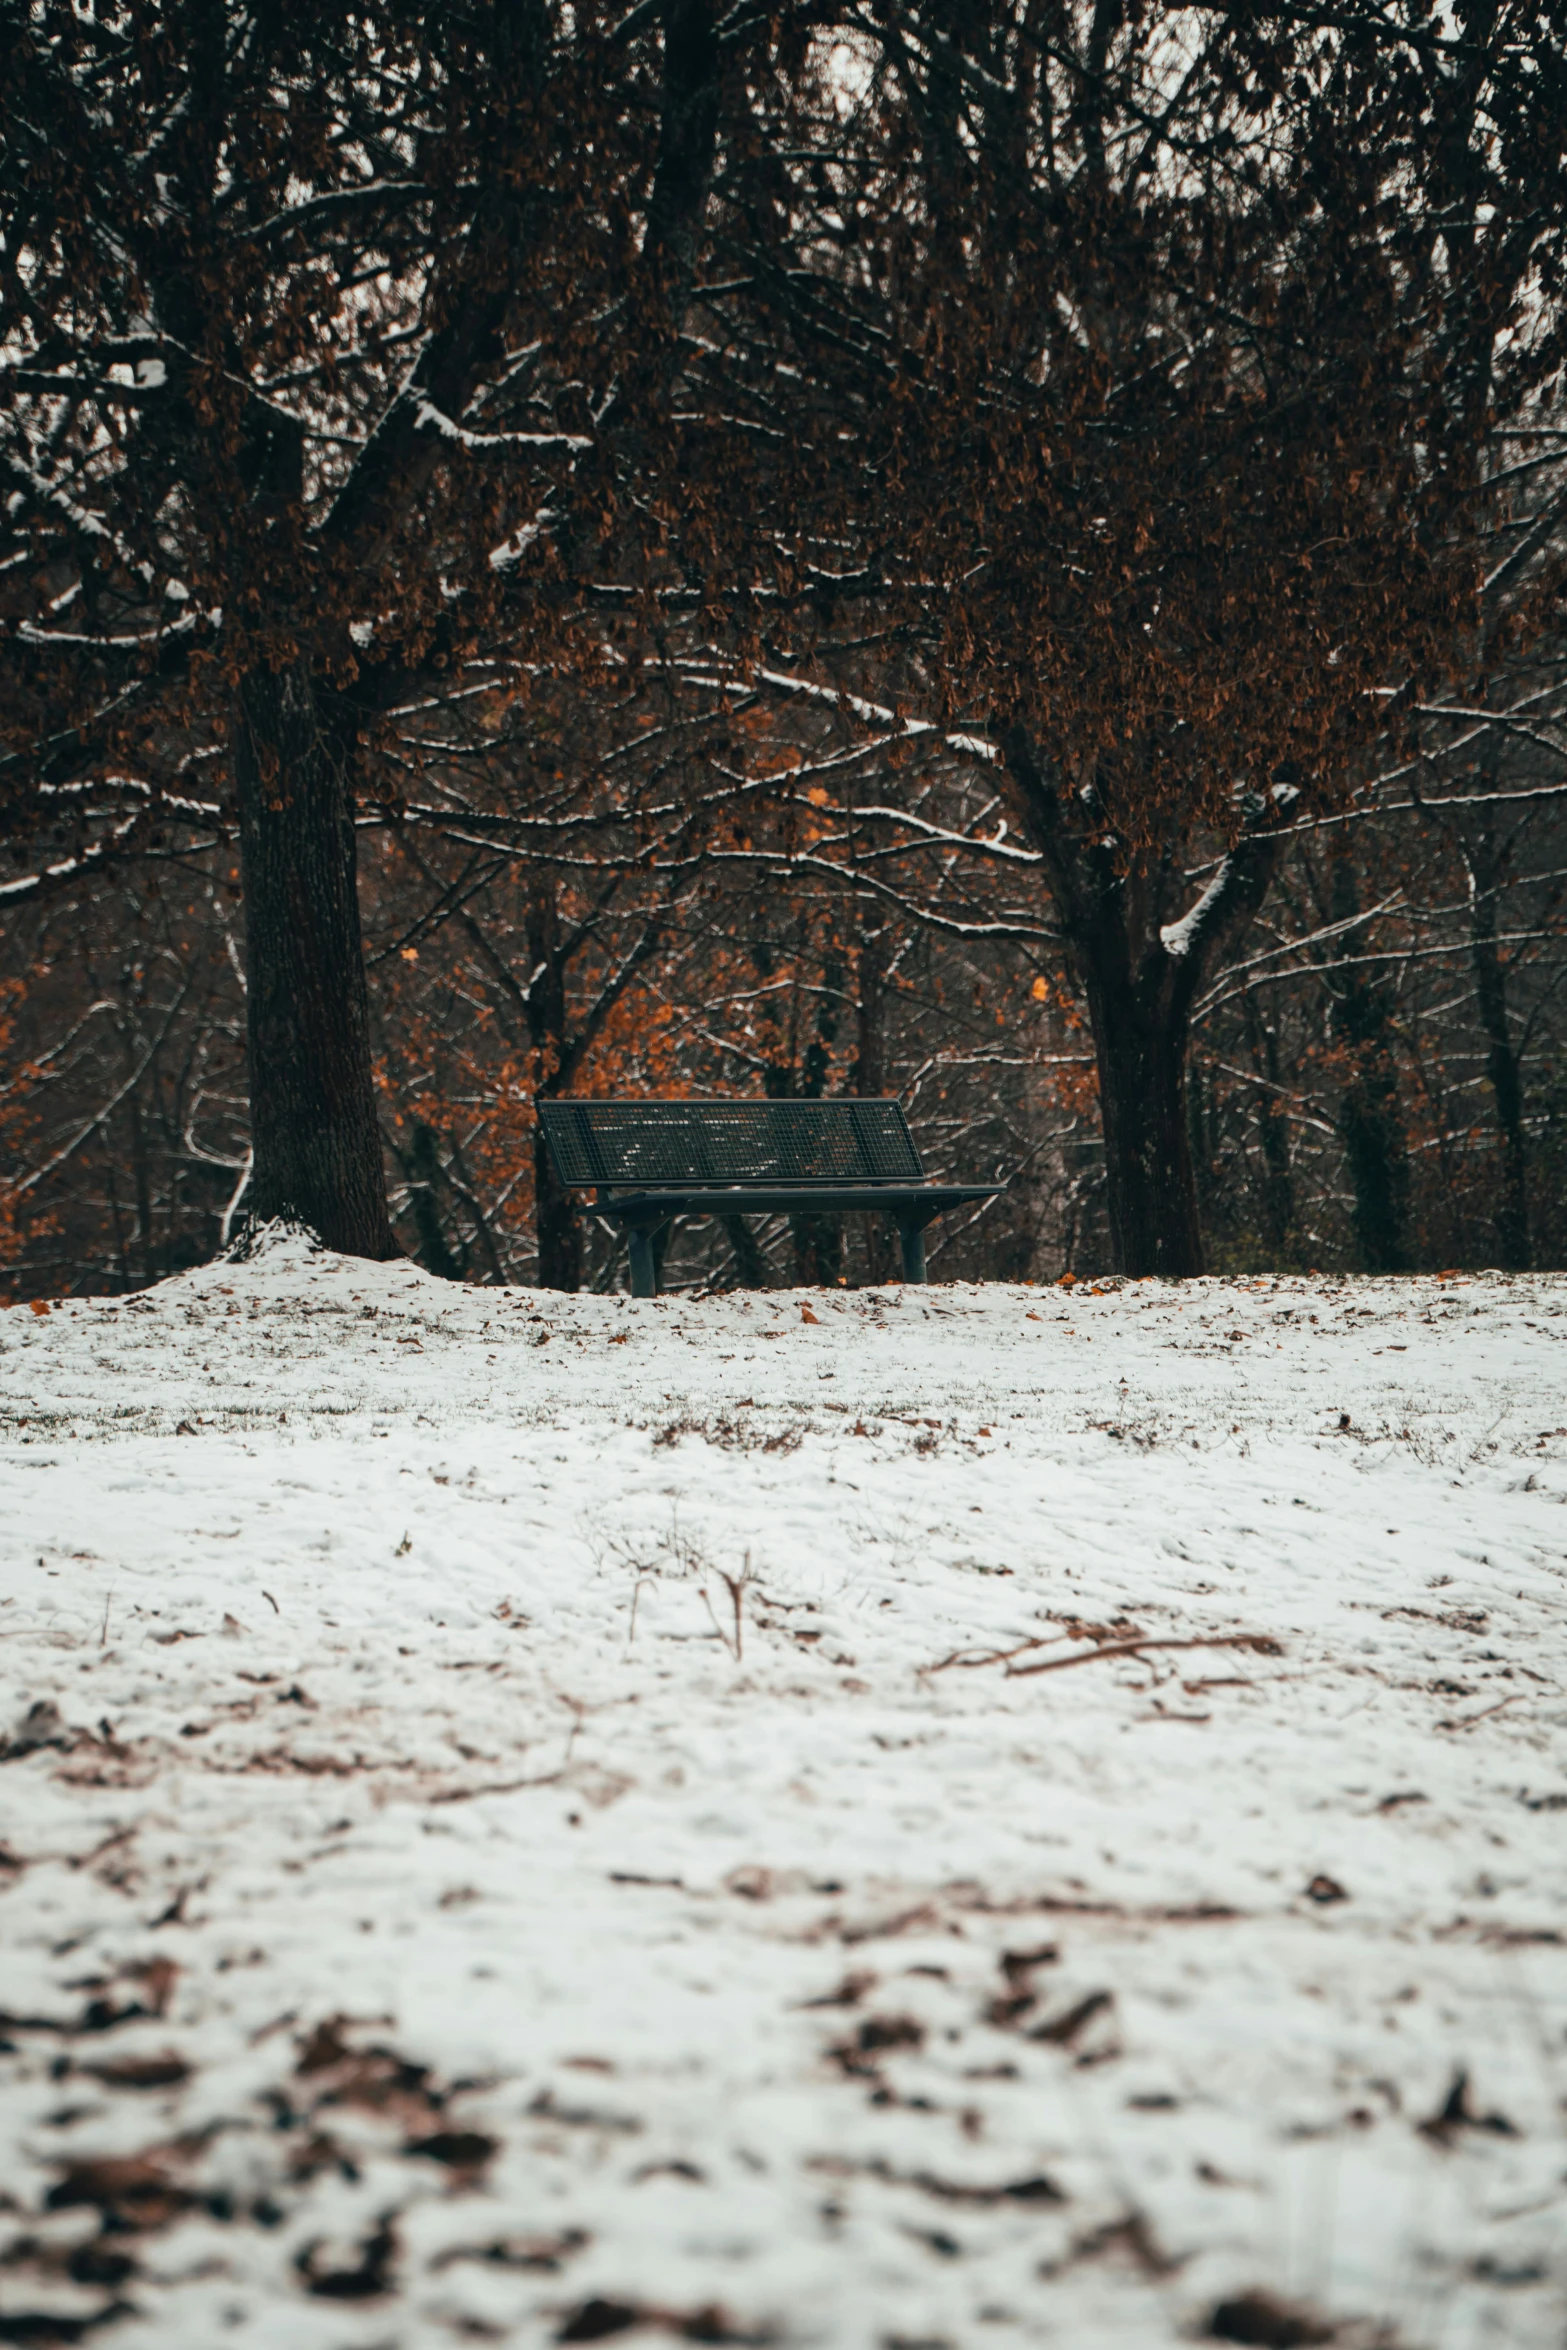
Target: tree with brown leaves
(1152,364)
(280,424)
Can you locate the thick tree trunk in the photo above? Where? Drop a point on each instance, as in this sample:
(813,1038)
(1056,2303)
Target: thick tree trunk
(1502,1063)
(1141,1046)
(314,1128)
(1140,957)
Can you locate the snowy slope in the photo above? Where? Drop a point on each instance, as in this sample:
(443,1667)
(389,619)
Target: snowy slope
(529,1819)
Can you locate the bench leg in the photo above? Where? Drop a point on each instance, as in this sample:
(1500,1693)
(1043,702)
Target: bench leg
(644,1272)
(912,1236)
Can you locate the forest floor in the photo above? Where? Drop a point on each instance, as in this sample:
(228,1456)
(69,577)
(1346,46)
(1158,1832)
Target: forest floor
(921,1819)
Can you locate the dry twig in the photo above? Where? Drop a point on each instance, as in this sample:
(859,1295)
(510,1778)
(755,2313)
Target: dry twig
(1259,1643)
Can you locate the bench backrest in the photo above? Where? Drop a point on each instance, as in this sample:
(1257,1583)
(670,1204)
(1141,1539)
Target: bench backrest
(658,1144)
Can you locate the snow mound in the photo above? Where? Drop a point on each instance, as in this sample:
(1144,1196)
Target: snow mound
(278,1244)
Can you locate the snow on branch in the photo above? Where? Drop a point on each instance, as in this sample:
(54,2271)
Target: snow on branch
(332,200)
(1223,989)
(511,550)
(1178,938)
(80,517)
(941,836)
(429,417)
(970,746)
(27,885)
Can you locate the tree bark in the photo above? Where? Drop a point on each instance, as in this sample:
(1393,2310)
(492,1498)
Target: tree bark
(1502,1062)
(1140,1044)
(746,1253)
(557,1225)
(1371,1120)
(1140,973)
(1373,1133)
(1278,1184)
(314,1127)
(422,1163)
(870,1074)
(818,1239)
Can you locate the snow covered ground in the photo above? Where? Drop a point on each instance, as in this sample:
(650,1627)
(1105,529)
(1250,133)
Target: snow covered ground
(922,1817)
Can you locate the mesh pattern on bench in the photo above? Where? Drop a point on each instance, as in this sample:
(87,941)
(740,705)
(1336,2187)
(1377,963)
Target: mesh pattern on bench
(658,1143)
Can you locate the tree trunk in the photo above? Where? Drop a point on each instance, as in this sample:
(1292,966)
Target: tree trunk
(746,1252)
(1502,1064)
(141,1178)
(1372,1127)
(1278,1183)
(1371,1120)
(422,1164)
(1140,1045)
(818,1239)
(314,1127)
(556,1221)
(1140,958)
(870,1073)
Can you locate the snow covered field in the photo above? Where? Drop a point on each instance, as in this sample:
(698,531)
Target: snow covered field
(949,1817)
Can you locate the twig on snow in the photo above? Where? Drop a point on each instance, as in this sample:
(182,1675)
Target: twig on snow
(1468,1721)
(1259,1643)
(736,1586)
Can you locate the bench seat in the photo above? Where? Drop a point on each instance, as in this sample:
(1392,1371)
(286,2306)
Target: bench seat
(649,1162)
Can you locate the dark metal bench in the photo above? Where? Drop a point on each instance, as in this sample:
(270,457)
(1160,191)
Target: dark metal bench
(648,1162)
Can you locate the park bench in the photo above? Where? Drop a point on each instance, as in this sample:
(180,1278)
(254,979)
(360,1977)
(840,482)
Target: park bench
(649,1162)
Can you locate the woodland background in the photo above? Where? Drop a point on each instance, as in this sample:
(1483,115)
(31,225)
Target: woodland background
(623,825)
(1378,1081)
